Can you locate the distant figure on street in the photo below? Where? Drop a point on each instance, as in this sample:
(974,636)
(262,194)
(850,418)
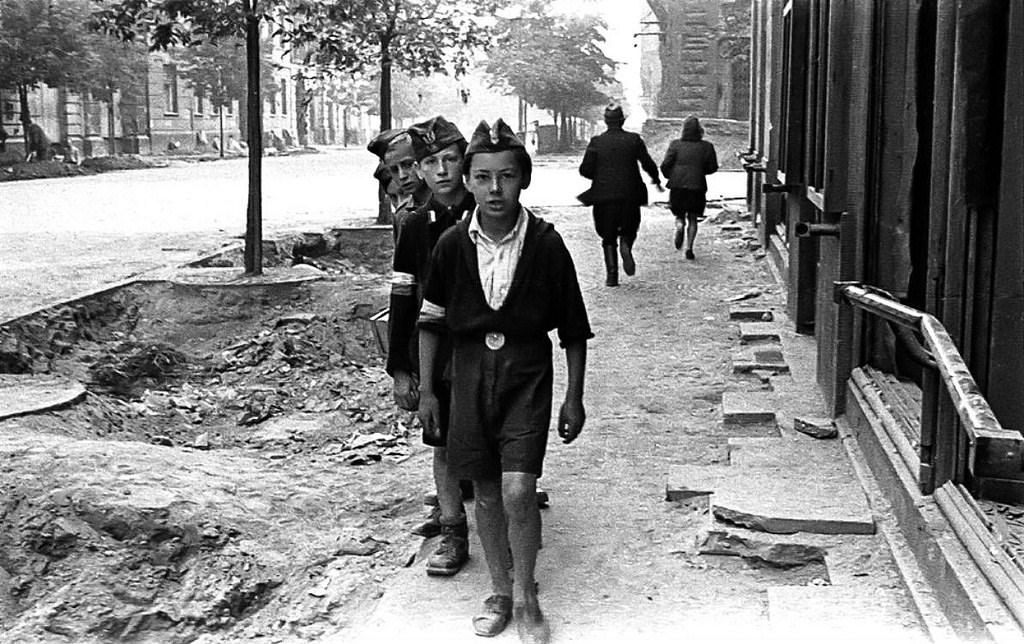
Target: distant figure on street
(38,144)
(3,139)
(498,282)
(687,163)
(617,191)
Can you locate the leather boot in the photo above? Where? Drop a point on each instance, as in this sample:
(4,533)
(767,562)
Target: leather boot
(452,553)
(626,249)
(611,265)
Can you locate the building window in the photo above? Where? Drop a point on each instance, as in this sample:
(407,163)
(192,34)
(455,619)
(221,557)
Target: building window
(284,96)
(200,96)
(171,89)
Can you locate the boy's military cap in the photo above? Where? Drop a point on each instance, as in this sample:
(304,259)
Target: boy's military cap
(498,137)
(435,134)
(378,145)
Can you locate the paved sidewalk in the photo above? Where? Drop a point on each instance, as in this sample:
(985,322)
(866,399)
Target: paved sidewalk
(620,563)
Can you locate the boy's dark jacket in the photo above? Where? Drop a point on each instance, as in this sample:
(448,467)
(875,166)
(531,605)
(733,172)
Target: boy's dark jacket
(611,163)
(416,240)
(544,293)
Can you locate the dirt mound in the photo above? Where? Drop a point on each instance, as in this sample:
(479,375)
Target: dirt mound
(207,483)
(53,169)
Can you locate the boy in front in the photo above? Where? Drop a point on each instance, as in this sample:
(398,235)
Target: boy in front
(498,282)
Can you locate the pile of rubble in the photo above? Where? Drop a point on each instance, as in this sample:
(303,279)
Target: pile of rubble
(303,365)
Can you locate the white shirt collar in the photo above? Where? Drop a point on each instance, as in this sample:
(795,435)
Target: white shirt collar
(475,231)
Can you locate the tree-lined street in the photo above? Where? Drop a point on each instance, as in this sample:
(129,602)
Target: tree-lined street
(63,236)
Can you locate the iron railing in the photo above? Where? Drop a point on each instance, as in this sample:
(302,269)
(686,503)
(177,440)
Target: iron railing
(995,455)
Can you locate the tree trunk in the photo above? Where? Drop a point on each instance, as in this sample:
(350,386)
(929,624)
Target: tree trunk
(112,146)
(220,109)
(344,125)
(302,99)
(26,117)
(254,213)
(384,215)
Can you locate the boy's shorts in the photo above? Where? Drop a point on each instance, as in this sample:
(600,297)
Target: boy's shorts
(501,407)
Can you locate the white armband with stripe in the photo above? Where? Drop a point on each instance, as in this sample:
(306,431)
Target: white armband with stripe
(431,312)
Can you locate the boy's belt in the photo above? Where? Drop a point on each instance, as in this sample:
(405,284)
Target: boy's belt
(495,340)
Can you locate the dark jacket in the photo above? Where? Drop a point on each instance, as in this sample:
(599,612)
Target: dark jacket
(417,237)
(689,160)
(544,294)
(611,163)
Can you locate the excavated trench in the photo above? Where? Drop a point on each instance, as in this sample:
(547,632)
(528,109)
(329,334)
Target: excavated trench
(236,465)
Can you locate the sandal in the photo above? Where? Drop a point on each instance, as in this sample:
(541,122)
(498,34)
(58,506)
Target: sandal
(495,616)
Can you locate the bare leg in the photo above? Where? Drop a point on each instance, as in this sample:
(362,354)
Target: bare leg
(691,232)
(519,491)
(493,529)
(449,494)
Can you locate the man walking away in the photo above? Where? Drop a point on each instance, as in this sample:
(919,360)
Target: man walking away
(687,163)
(617,191)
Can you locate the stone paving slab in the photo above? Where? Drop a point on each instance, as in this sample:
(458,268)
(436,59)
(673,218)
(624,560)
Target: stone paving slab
(764,357)
(747,407)
(781,500)
(798,452)
(838,614)
(236,277)
(750,313)
(30,394)
(758,331)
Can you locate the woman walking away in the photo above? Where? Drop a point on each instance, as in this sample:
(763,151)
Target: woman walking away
(687,163)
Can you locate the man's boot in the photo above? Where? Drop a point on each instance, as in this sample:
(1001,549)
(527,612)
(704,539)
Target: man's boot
(453,551)
(611,265)
(626,248)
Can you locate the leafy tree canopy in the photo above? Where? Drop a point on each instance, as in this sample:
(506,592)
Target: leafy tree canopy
(553,61)
(416,36)
(41,42)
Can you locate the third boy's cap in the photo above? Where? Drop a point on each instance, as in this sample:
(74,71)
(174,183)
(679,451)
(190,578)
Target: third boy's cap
(436,134)
(379,144)
(498,137)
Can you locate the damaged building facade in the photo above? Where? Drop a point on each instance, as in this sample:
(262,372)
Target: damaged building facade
(884,172)
(694,60)
(171,114)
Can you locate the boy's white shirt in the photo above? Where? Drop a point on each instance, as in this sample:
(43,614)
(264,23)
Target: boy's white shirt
(496,263)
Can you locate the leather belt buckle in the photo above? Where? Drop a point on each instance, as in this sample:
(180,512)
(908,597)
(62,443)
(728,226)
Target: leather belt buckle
(494,340)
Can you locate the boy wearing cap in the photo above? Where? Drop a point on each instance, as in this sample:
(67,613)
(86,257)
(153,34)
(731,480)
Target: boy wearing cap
(440,148)
(398,154)
(617,191)
(498,282)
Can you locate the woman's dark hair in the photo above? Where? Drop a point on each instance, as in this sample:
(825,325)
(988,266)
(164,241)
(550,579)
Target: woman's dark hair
(521,156)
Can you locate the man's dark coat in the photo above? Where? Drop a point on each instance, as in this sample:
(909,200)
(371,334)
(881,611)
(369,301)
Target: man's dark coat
(611,163)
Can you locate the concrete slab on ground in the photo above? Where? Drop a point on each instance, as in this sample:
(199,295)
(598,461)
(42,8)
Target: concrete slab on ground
(780,500)
(798,452)
(758,331)
(747,407)
(232,276)
(29,394)
(838,614)
(751,313)
(766,358)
